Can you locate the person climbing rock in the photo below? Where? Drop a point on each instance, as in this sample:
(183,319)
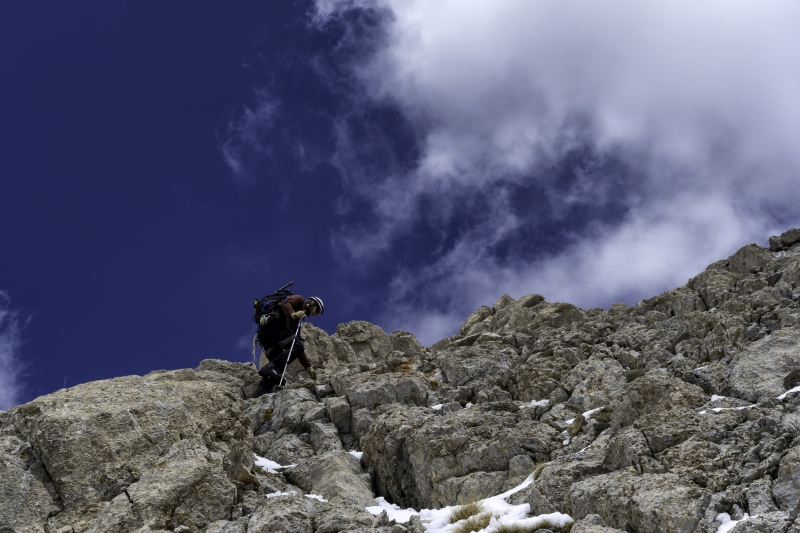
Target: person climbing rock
(279,336)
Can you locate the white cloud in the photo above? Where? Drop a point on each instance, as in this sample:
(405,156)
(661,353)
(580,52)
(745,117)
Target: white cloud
(243,143)
(698,101)
(11,368)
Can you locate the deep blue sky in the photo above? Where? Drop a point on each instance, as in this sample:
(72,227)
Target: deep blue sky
(164,163)
(123,237)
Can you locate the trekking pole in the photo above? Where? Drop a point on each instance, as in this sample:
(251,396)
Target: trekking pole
(296,333)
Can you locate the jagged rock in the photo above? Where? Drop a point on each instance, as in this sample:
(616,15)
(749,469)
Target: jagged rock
(765,523)
(288,448)
(749,259)
(414,460)
(326,351)
(407,343)
(325,438)
(475,318)
(602,383)
(786,488)
(759,497)
(629,448)
(292,409)
(593,524)
(336,476)
(368,341)
(647,503)
(226,526)
(760,370)
(473,487)
(245,372)
(654,392)
(714,286)
(519,468)
(550,492)
(785,240)
(27,495)
(291,514)
(187,487)
(98,439)
(503,302)
(344,517)
(366,390)
(338,411)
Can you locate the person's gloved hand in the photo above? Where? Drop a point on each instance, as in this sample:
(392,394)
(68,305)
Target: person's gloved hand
(312,373)
(297,315)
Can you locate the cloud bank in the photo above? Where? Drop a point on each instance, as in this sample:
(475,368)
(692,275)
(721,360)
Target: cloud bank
(591,152)
(11,368)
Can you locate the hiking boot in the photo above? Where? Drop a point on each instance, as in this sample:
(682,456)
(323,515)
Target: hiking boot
(269,372)
(264,387)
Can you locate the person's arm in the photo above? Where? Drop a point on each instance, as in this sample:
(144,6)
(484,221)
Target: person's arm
(312,372)
(303,358)
(291,304)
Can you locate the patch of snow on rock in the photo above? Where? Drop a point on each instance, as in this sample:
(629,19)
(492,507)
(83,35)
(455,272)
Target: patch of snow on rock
(504,513)
(727,523)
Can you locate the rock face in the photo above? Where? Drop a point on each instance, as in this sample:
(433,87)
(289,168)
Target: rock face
(653,418)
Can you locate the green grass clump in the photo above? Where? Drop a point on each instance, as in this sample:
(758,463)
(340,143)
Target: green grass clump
(466,511)
(474,523)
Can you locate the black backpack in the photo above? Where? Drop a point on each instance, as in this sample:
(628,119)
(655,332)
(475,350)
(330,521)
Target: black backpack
(269,303)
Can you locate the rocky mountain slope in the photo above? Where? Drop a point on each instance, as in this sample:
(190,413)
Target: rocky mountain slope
(678,414)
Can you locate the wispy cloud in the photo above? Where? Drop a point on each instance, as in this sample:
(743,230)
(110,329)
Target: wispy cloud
(243,143)
(11,367)
(636,143)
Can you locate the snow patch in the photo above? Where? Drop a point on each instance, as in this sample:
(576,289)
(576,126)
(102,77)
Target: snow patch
(503,513)
(437,407)
(788,392)
(585,415)
(727,523)
(279,493)
(395,512)
(715,398)
(718,409)
(356,454)
(270,466)
(535,403)
(316,497)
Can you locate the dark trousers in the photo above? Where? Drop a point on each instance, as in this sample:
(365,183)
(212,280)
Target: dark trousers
(276,338)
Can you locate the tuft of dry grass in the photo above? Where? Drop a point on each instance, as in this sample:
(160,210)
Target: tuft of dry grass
(466,511)
(544,524)
(538,469)
(474,523)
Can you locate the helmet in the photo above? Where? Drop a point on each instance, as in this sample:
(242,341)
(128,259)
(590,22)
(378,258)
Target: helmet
(316,301)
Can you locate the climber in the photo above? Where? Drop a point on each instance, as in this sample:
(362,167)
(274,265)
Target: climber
(278,334)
